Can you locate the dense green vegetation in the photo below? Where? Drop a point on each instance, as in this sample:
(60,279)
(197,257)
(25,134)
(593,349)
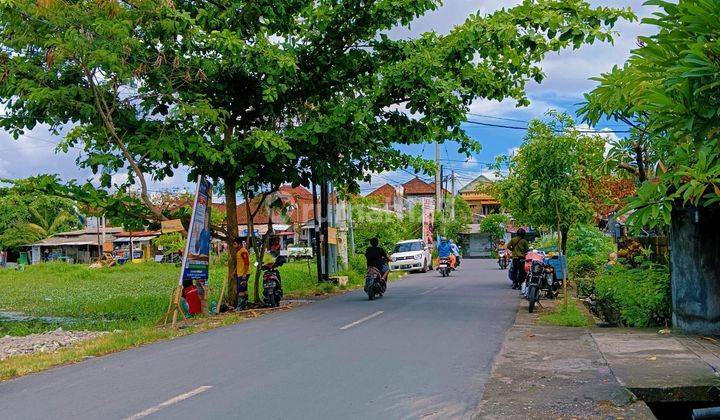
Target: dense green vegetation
(26,218)
(634,297)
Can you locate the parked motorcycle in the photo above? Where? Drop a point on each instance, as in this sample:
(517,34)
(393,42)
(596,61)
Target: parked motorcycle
(444,266)
(374,283)
(540,277)
(534,278)
(272,284)
(503,259)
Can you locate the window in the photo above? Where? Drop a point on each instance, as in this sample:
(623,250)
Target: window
(408,247)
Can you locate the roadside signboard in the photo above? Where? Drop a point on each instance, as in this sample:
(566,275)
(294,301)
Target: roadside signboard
(196,257)
(428,226)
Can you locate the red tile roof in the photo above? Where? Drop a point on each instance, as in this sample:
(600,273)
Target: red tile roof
(417,186)
(300,197)
(387,191)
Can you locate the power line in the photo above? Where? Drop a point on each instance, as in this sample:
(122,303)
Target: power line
(524,121)
(557,131)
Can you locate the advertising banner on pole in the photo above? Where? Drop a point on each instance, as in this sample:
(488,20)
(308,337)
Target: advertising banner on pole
(428,225)
(196,258)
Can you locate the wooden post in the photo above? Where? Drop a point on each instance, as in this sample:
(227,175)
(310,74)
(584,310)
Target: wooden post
(562,255)
(174,309)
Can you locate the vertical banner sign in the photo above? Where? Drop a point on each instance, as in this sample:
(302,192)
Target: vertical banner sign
(428,226)
(196,258)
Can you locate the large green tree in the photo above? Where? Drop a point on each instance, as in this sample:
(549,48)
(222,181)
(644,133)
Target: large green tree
(257,93)
(547,184)
(673,78)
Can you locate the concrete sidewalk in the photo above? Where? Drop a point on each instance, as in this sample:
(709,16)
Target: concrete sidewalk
(545,371)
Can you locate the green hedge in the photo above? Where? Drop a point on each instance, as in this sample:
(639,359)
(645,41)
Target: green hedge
(634,297)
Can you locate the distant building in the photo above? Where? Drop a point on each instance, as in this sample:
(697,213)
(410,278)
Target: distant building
(481,204)
(79,246)
(295,227)
(391,198)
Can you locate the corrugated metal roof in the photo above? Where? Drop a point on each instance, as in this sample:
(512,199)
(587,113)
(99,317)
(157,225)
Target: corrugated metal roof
(78,238)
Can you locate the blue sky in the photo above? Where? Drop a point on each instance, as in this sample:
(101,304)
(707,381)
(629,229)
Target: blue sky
(567,79)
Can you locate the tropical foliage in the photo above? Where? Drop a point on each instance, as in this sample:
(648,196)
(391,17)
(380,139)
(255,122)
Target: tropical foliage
(27,218)
(494,225)
(669,92)
(550,177)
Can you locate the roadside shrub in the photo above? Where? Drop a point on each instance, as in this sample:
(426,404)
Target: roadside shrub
(590,241)
(583,269)
(634,297)
(583,265)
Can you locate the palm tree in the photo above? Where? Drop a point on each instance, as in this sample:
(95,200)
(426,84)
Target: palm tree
(44,226)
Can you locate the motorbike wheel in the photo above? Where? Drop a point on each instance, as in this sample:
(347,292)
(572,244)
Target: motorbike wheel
(271,300)
(371,295)
(533,294)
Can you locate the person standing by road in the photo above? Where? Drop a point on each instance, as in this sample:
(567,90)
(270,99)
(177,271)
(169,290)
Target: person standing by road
(242,272)
(519,246)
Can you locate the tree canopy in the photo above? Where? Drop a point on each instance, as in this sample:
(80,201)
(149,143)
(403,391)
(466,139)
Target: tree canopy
(550,177)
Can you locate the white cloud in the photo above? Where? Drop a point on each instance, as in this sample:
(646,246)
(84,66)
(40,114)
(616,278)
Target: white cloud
(507,107)
(470,162)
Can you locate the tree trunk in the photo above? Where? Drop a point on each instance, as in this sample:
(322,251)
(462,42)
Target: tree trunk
(563,240)
(695,272)
(261,256)
(231,222)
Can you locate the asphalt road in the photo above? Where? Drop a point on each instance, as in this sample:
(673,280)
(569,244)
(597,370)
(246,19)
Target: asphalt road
(424,350)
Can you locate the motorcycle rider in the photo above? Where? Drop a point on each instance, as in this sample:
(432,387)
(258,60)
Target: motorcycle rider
(455,252)
(445,251)
(377,257)
(519,246)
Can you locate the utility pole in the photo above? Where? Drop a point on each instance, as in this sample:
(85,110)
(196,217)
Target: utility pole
(351,232)
(342,243)
(452,198)
(324,203)
(438,178)
(316,233)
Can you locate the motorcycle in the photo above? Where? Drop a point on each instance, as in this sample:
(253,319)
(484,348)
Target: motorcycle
(374,283)
(444,266)
(503,259)
(540,277)
(272,284)
(534,280)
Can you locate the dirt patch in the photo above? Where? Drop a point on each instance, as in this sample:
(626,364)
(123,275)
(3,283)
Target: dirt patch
(42,343)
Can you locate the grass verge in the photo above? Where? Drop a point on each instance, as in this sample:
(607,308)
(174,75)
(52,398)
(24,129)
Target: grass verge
(569,315)
(106,344)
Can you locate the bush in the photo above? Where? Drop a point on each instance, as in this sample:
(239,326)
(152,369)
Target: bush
(589,240)
(583,265)
(583,269)
(634,297)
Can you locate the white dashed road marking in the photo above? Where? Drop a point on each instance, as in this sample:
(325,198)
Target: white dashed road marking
(352,324)
(174,400)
